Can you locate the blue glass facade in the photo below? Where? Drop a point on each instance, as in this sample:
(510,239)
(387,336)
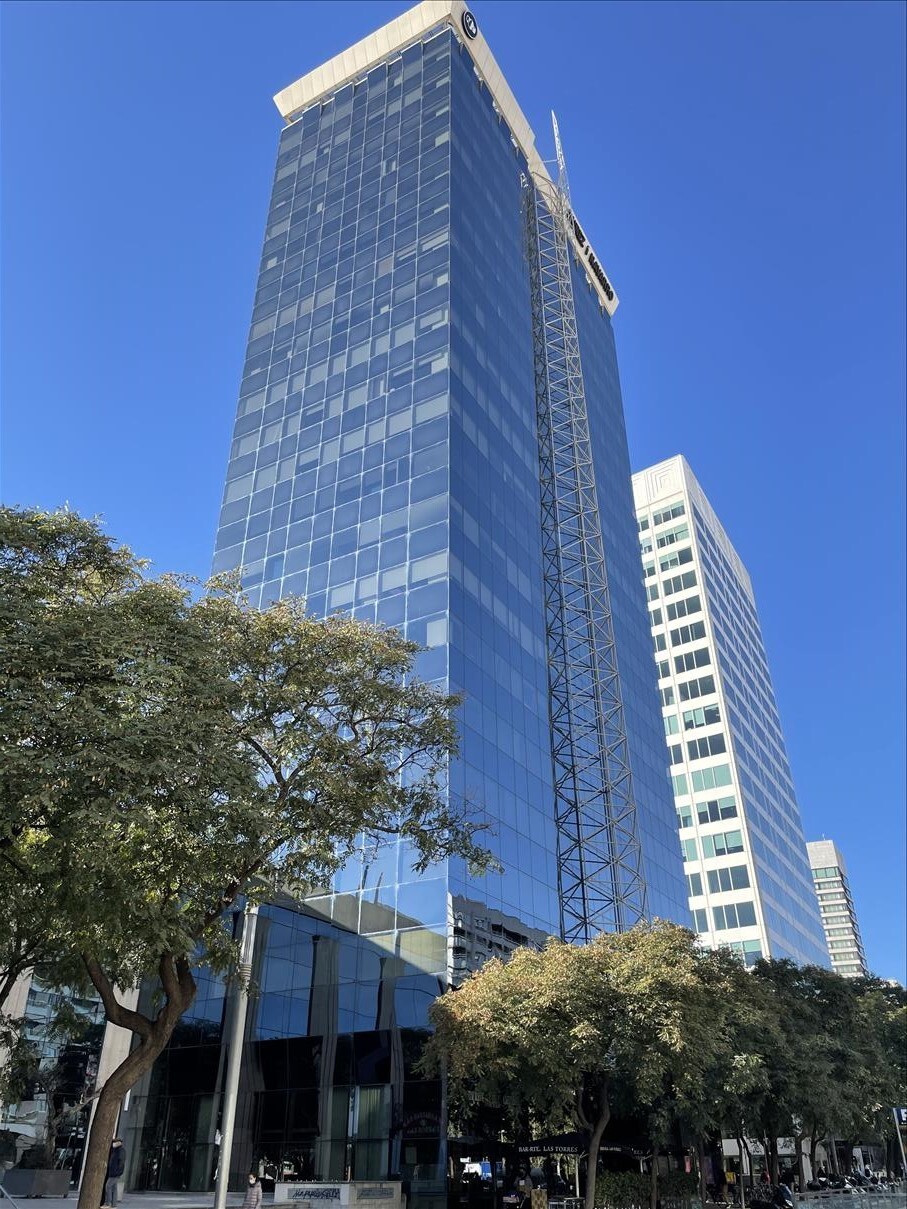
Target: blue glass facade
(385,462)
(498,653)
(656,816)
(385,457)
(329,1087)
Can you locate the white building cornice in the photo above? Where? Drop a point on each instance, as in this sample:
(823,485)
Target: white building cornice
(403,31)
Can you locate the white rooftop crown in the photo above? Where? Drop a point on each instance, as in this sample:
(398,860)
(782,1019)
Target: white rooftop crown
(406,29)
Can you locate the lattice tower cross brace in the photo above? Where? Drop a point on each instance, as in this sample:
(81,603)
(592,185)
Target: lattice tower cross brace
(600,878)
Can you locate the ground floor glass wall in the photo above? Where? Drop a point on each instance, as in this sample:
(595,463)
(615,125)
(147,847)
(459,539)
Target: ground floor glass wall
(329,1085)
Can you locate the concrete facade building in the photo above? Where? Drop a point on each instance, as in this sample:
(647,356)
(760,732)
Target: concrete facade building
(748,879)
(839,918)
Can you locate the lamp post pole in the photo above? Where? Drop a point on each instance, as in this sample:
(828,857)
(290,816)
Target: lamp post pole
(897,1129)
(234,1054)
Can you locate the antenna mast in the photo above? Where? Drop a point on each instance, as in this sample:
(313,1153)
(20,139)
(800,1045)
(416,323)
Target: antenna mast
(562,182)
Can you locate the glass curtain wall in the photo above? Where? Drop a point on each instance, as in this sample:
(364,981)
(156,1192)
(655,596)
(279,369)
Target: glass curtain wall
(384,462)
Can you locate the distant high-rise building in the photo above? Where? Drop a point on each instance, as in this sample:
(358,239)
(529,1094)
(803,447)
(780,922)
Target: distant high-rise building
(839,919)
(430,435)
(748,878)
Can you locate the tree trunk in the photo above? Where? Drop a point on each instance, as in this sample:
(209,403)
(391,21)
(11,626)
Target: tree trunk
(813,1144)
(126,1075)
(833,1155)
(179,991)
(775,1170)
(801,1170)
(103,1126)
(55,1115)
(848,1156)
(742,1149)
(769,1149)
(595,1142)
(50,1131)
(653,1196)
(700,1160)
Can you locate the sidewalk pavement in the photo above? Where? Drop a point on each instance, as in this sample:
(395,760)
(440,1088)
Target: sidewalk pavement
(182,1200)
(140,1200)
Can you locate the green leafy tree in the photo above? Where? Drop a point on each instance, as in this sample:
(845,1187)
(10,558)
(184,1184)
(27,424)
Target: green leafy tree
(741,1080)
(778,1029)
(566,1035)
(796,1023)
(874,1059)
(819,1014)
(831,1056)
(164,753)
(58,1079)
(47,1063)
(55,571)
(709,1103)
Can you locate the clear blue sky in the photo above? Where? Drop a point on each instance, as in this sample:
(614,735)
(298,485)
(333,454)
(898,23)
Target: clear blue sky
(740,169)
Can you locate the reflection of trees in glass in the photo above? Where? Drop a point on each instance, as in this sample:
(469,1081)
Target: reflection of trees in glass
(53,1066)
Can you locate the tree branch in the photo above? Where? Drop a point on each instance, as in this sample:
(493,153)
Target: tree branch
(186,978)
(229,895)
(179,986)
(167,975)
(264,754)
(11,860)
(115,1011)
(581,1116)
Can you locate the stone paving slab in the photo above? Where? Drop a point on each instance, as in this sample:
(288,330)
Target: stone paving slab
(138,1200)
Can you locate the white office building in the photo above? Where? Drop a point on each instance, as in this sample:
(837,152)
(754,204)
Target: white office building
(839,919)
(748,877)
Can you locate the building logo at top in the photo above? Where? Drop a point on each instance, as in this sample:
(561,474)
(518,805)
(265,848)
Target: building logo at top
(468,21)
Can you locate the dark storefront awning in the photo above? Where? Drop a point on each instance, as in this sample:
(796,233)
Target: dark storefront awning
(574,1143)
(560,1143)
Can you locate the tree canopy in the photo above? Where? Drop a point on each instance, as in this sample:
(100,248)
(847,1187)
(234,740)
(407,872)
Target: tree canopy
(650,1024)
(832,1055)
(167,749)
(563,1036)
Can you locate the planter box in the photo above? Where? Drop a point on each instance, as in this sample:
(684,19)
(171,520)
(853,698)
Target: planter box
(38,1181)
(345,1194)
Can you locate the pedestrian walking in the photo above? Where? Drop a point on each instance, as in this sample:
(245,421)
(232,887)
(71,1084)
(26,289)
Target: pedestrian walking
(252,1199)
(116,1165)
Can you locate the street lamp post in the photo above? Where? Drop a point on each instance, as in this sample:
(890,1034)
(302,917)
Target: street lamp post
(234,1054)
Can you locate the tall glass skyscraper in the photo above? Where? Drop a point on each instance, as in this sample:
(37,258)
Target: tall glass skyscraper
(741,834)
(430,435)
(386,455)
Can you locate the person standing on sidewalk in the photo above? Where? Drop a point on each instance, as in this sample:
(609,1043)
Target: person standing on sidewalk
(116,1165)
(252,1199)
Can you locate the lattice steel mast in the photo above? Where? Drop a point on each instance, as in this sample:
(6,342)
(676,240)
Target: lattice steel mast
(599,862)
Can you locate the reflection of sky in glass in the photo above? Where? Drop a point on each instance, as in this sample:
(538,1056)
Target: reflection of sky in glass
(385,462)
(656,816)
(338,485)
